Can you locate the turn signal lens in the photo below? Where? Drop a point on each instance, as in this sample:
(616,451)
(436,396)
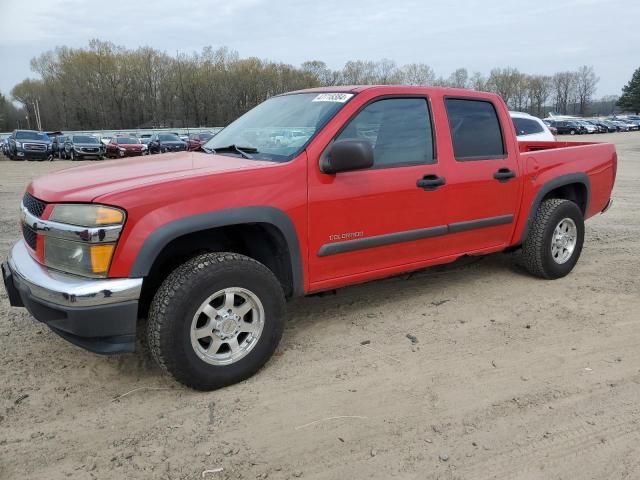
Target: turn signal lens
(109,216)
(101,258)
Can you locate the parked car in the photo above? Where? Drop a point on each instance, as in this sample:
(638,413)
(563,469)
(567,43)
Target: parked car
(57,146)
(122,146)
(207,247)
(29,145)
(196,140)
(611,127)
(551,128)
(631,126)
(4,145)
(80,147)
(568,127)
(531,128)
(598,128)
(604,126)
(622,126)
(589,127)
(166,142)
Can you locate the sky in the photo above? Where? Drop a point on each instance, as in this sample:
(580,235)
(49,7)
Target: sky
(537,37)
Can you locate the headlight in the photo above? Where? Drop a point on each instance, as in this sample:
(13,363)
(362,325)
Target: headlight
(83,257)
(18,144)
(122,149)
(144,147)
(87,215)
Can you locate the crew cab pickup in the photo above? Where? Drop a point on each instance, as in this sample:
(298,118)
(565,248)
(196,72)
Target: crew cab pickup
(207,246)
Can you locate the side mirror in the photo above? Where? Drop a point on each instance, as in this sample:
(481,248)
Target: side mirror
(346,155)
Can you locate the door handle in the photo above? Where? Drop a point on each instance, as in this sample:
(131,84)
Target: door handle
(430,182)
(504,175)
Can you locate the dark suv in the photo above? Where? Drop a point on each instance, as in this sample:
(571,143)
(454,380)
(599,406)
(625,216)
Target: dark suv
(29,145)
(166,142)
(78,147)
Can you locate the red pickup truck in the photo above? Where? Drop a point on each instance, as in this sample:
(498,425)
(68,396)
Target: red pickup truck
(309,191)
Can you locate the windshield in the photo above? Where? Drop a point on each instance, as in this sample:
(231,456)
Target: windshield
(127,140)
(84,139)
(205,136)
(31,136)
(169,137)
(280,128)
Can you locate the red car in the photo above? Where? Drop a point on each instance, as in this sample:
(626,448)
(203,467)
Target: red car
(196,140)
(122,146)
(309,191)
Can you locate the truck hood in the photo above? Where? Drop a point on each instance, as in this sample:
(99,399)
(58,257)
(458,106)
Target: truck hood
(86,183)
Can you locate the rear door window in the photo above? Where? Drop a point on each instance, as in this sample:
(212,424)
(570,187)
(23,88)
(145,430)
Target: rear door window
(527,126)
(475,129)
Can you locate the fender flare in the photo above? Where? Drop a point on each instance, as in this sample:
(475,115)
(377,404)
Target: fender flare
(552,184)
(160,238)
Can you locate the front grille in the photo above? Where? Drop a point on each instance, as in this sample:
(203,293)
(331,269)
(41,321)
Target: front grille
(35,147)
(90,150)
(33,205)
(30,237)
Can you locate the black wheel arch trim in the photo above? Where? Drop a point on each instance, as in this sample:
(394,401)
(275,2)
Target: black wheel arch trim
(552,184)
(160,238)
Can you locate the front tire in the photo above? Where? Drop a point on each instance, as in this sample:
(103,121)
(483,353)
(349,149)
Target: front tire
(555,240)
(216,320)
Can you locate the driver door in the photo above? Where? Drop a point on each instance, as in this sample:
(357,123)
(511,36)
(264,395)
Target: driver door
(365,223)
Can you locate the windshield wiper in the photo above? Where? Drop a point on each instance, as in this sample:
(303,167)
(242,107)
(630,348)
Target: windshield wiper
(244,151)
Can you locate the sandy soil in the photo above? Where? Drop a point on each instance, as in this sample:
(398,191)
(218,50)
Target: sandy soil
(511,377)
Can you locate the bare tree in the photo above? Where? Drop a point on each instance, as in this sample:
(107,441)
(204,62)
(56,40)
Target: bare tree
(459,78)
(539,92)
(106,86)
(564,87)
(503,81)
(478,82)
(586,83)
(418,74)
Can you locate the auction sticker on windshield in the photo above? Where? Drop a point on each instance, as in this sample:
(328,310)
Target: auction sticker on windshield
(333,97)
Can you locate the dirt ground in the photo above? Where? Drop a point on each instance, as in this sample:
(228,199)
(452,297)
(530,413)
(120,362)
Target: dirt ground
(511,377)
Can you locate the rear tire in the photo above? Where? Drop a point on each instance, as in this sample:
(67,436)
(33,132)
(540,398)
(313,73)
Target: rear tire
(555,240)
(188,303)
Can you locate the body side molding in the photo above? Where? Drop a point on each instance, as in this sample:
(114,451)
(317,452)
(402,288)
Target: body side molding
(411,235)
(161,237)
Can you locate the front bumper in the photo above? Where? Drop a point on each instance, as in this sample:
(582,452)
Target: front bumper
(32,155)
(97,314)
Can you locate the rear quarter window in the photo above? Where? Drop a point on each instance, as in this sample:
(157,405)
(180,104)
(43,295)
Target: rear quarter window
(475,129)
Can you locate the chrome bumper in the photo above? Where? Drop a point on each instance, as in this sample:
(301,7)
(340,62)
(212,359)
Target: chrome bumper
(68,290)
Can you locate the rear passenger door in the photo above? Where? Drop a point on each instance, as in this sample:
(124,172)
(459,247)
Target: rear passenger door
(483,179)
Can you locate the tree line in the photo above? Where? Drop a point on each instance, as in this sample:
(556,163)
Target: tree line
(105,86)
